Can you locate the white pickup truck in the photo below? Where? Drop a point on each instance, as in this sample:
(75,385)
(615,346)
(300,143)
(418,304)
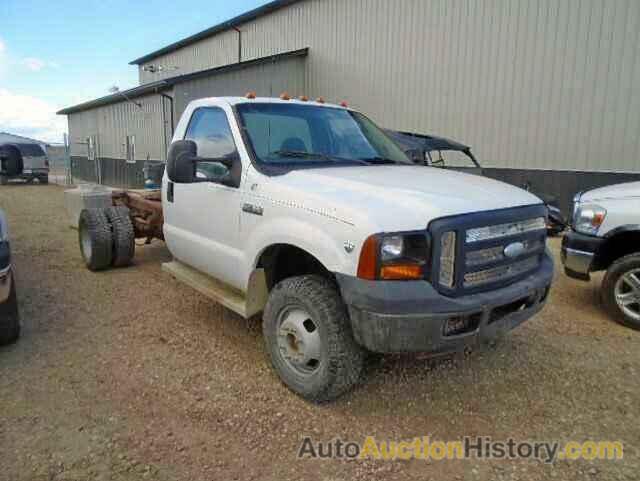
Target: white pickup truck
(605,235)
(309,214)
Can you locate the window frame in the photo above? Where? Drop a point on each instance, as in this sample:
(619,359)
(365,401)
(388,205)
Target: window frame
(235,171)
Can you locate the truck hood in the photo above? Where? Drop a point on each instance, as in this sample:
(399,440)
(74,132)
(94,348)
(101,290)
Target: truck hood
(399,197)
(627,190)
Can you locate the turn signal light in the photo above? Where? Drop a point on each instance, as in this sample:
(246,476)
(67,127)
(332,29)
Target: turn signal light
(401,272)
(285,96)
(367,266)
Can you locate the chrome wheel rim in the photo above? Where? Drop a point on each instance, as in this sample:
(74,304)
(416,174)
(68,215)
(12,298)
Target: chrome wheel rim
(85,240)
(299,341)
(627,294)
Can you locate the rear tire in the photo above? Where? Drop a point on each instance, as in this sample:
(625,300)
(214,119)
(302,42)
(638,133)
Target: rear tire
(96,239)
(621,291)
(308,335)
(124,245)
(9,318)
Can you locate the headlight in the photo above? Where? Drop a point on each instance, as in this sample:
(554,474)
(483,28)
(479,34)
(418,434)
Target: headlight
(400,256)
(587,218)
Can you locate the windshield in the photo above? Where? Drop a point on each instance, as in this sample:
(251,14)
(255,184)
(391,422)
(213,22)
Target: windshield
(297,134)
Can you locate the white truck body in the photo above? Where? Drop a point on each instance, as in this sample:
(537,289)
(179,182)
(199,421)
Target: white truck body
(319,219)
(316,210)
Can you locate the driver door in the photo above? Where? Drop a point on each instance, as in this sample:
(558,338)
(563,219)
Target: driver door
(203,217)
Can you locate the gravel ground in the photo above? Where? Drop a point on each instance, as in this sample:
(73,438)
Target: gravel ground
(129,375)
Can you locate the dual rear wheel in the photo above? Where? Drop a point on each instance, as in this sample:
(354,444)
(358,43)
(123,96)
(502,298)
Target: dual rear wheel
(106,237)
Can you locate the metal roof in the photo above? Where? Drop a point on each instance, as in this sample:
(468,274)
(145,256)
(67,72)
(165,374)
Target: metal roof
(234,22)
(160,85)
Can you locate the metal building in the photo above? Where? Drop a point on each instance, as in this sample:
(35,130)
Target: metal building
(544,90)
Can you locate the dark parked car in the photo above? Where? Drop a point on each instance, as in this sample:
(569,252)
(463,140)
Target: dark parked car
(9,319)
(430,150)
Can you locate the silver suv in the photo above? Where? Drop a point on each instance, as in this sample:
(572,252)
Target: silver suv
(27,162)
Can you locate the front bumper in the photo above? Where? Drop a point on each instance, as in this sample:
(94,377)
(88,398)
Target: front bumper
(578,253)
(412,316)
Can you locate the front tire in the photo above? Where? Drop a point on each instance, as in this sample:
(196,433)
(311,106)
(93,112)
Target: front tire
(621,291)
(308,335)
(9,318)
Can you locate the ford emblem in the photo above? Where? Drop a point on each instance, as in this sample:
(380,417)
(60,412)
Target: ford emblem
(514,249)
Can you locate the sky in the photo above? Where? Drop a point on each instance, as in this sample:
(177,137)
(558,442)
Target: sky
(54,54)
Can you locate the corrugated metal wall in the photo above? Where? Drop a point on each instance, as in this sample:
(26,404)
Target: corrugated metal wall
(215,52)
(529,84)
(112,123)
(266,80)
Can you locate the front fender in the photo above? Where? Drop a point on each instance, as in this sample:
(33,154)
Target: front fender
(325,242)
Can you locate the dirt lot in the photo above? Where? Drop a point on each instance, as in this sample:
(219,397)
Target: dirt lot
(129,375)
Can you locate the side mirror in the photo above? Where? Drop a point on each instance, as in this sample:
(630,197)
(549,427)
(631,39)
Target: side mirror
(181,162)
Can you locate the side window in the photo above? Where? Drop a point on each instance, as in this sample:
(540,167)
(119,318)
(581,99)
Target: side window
(210,130)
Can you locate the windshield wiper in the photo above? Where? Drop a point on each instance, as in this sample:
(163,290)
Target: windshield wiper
(315,155)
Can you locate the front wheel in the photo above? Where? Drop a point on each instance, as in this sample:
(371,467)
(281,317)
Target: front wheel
(308,336)
(621,290)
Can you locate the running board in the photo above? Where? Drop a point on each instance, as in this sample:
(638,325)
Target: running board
(229,297)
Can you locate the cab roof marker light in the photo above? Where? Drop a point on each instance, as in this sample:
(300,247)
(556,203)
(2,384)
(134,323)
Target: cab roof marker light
(251,95)
(320,100)
(285,96)
(344,104)
(303,98)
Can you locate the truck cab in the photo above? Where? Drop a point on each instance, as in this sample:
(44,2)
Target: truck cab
(319,221)
(605,236)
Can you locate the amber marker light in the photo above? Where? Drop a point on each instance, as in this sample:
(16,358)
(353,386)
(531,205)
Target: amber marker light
(285,96)
(320,100)
(303,98)
(251,95)
(401,272)
(344,104)
(368,263)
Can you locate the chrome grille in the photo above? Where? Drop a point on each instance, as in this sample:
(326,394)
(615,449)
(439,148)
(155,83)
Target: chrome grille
(478,278)
(503,230)
(492,249)
(496,254)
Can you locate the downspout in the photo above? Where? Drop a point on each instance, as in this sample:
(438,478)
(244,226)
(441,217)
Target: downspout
(239,44)
(171,105)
